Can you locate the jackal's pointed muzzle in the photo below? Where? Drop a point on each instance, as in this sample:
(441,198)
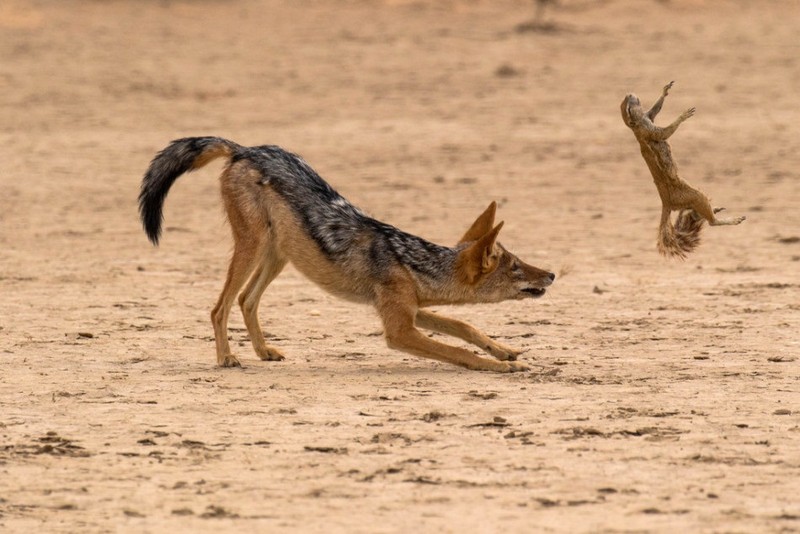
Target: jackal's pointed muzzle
(537,289)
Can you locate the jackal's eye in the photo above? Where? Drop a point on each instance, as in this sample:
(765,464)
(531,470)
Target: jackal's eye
(515,266)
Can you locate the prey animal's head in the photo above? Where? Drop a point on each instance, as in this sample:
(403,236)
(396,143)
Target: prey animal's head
(492,273)
(631,110)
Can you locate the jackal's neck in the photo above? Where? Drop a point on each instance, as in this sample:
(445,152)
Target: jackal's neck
(422,257)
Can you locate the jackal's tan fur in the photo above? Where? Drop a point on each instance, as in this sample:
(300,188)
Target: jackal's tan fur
(281,211)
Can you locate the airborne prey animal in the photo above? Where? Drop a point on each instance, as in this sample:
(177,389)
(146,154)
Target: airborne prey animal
(684,236)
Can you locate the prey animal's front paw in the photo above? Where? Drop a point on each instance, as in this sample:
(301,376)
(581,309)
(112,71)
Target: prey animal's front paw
(228,360)
(270,354)
(667,88)
(688,113)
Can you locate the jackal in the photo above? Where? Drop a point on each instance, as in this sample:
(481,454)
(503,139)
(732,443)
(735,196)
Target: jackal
(693,206)
(281,210)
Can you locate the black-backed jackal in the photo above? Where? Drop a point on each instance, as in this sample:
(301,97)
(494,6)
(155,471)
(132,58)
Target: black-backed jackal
(281,211)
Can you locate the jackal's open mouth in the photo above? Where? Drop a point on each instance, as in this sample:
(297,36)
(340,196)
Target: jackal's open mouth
(534,291)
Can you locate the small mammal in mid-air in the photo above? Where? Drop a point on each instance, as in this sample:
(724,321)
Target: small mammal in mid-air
(684,236)
(281,211)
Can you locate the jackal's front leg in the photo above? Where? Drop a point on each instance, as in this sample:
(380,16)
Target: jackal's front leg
(398,315)
(409,339)
(467,332)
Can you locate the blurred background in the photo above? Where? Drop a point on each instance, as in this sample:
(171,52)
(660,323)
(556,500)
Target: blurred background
(421,113)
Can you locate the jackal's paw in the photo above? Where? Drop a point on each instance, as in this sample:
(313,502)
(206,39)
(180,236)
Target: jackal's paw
(494,366)
(503,352)
(228,360)
(516,367)
(270,354)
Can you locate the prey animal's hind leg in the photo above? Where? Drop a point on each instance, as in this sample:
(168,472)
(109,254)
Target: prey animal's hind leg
(697,201)
(727,222)
(694,215)
(467,332)
(246,254)
(270,266)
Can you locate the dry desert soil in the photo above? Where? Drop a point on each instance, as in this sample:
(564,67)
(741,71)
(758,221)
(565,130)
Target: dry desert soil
(664,396)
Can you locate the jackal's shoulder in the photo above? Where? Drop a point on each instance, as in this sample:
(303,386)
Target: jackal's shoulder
(338,227)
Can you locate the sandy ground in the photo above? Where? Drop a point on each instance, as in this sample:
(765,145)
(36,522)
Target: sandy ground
(664,395)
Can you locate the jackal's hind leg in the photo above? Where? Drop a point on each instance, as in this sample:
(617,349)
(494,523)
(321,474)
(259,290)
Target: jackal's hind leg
(467,332)
(270,266)
(245,257)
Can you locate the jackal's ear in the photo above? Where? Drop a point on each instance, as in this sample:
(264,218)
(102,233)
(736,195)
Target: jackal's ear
(481,257)
(482,224)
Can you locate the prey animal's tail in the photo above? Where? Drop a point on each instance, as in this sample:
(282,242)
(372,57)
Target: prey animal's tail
(181,156)
(683,237)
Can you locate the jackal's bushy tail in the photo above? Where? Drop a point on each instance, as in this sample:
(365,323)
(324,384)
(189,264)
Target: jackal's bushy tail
(182,155)
(683,237)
